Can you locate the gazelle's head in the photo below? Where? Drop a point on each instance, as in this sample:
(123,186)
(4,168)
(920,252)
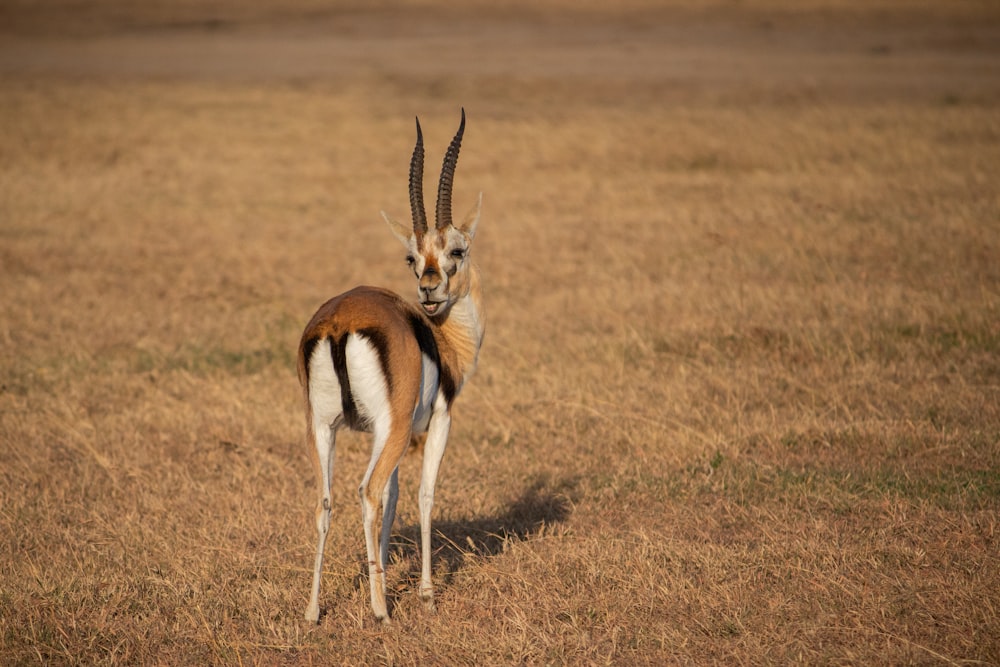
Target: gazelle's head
(439,257)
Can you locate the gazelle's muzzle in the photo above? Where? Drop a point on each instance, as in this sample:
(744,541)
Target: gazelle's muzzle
(433,292)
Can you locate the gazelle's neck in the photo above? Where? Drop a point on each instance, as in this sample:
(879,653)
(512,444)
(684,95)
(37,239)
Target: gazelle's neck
(463,327)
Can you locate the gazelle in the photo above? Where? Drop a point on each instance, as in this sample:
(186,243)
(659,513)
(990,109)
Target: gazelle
(372,361)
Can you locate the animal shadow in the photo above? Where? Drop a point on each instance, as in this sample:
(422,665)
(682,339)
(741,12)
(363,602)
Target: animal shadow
(542,503)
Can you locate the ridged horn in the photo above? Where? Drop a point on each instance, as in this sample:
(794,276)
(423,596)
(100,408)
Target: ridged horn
(417,186)
(447,178)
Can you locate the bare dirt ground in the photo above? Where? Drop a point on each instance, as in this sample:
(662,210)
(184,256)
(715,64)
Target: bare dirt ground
(739,400)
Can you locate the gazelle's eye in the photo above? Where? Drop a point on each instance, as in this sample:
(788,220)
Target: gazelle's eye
(410,260)
(458,253)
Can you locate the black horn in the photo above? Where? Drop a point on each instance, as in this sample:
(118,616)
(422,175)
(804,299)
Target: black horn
(447,177)
(417,185)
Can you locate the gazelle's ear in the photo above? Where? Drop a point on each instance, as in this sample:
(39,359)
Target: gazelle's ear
(471,219)
(402,232)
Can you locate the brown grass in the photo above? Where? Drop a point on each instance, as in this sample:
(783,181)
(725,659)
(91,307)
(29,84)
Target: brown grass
(739,400)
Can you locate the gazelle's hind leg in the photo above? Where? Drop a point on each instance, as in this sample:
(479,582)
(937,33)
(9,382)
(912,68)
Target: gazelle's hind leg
(379,491)
(437,439)
(324,439)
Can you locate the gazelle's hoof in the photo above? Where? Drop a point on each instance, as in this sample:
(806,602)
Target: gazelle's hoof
(312,614)
(381,612)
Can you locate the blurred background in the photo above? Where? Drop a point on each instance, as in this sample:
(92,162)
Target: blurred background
(738,399)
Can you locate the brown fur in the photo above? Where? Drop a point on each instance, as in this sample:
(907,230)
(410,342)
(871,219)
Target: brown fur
(375,308)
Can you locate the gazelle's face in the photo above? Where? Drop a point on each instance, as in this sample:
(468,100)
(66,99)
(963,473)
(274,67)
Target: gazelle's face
(438,255)
(439,259)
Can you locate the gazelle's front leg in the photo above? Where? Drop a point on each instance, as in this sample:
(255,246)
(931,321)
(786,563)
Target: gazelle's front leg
(389,498)
(437,439)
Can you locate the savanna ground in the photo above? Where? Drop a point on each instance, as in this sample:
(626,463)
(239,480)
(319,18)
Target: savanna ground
(739,400)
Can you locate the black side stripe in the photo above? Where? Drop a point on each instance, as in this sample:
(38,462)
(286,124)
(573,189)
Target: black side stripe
(338,351)
(428,345)
(308,346)
(381,345)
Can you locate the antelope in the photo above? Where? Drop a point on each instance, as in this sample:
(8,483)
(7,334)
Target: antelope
(372,361)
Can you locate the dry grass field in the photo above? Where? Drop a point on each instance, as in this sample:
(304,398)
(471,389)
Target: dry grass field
(739,399)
